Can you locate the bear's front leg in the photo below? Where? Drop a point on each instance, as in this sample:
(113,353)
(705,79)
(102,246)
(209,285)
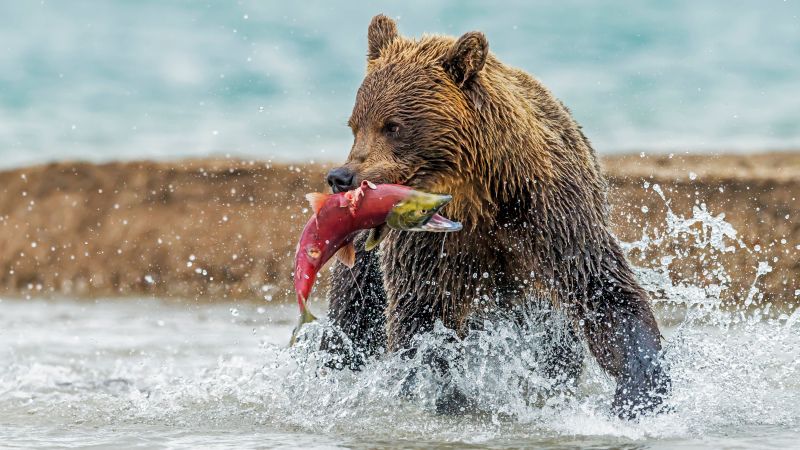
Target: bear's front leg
(623,335)
(642,384)
(443,361)
(357,306)
(422,290)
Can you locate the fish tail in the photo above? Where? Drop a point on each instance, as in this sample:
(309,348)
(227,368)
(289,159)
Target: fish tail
(305,317)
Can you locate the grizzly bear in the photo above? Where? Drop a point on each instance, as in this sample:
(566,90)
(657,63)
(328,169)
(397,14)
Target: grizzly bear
(445,115)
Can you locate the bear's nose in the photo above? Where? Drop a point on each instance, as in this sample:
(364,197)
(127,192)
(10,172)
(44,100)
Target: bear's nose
(340,179)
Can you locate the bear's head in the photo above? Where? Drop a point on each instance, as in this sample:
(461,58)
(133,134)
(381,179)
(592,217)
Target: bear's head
(416,119)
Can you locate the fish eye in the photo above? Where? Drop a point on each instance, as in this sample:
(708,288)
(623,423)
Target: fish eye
(423,211)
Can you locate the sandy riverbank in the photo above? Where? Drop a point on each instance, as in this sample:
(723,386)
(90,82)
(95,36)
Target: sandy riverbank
(222,229)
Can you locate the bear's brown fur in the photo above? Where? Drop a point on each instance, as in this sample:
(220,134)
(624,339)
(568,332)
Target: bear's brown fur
(445,115)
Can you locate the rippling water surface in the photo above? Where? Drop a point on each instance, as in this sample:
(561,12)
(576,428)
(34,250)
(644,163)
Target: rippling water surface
(125,372)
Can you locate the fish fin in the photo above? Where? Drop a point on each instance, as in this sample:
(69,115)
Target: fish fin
(347,255)
(376,235)
(308,317)
(305,317)
(316,200)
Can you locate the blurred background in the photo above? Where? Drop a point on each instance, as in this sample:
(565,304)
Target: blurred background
(163,148)
(275,80)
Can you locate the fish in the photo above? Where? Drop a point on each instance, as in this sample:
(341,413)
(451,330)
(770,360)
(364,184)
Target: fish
(338,217)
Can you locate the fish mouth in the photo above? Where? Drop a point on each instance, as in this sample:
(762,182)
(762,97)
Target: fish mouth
(438,224)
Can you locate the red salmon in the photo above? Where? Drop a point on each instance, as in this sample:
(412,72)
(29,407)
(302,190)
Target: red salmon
(337,218)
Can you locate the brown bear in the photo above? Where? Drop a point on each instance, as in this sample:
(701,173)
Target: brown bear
(444,115)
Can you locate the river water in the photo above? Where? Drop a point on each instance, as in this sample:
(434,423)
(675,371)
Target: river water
(155,373)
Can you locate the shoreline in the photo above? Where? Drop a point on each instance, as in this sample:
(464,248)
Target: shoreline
(223,229)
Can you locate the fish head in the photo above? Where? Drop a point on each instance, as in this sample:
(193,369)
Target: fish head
(419,212)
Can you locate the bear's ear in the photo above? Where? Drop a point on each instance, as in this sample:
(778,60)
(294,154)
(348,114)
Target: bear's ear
(466,57)
(382,31)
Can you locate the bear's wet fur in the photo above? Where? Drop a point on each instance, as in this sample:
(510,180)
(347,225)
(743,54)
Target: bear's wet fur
(445,115)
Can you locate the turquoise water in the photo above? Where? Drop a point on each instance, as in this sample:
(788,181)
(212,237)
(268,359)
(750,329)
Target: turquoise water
(124,79)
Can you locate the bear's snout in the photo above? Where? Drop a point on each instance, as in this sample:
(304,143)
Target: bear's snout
(340,179)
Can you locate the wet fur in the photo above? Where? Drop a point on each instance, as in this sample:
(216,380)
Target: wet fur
(527,186)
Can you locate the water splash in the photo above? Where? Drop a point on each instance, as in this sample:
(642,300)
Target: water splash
(733,365)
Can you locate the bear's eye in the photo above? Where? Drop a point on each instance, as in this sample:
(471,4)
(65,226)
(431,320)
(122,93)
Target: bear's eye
(391,127)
